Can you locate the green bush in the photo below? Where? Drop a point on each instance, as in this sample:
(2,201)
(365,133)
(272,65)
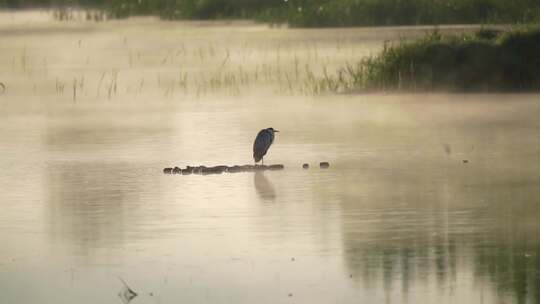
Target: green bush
(485,61)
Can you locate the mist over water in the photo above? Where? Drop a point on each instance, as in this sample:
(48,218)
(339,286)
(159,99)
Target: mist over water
(428,198)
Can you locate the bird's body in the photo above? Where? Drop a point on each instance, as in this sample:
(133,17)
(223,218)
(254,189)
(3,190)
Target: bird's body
(262,143)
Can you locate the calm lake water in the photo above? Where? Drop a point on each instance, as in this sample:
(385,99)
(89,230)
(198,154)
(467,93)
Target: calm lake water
(429,198)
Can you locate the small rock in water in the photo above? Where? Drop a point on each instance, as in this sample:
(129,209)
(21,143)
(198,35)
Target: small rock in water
(213,170)
(249,168)
(275,167)
(187,171)
(324,165)
(221,168)
(199,169)
(167,170)
(234,169)
(305,166)
(465,161)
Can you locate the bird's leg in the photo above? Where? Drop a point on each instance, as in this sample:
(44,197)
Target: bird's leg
(262,161)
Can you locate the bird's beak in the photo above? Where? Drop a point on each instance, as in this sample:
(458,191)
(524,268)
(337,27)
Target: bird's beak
(276,131)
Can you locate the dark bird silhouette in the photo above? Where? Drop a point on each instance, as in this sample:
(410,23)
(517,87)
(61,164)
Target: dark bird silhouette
(262,143)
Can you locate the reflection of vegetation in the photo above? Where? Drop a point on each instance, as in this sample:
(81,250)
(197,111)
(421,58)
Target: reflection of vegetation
(443,235)
(512,268)
(318,13)
(88,206)
(486,61)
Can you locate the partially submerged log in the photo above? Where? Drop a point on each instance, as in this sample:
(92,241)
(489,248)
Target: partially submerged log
(203,170)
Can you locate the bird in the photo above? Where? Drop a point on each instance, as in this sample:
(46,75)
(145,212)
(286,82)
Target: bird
(264,139)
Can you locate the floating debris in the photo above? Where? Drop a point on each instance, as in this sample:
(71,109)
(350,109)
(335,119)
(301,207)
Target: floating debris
(126,294)
(465,161)
(305,166)
(324,165)
(203,170)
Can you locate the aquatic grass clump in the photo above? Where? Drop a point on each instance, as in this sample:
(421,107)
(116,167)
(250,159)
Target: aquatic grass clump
(488,60)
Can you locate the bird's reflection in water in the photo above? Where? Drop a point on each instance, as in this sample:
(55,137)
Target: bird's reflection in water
(264,187)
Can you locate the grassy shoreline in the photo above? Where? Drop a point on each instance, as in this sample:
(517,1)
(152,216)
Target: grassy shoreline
(489,60)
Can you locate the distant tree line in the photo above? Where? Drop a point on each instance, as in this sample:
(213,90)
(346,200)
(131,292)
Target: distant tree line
(409,12)
(316,13)
(18,4)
